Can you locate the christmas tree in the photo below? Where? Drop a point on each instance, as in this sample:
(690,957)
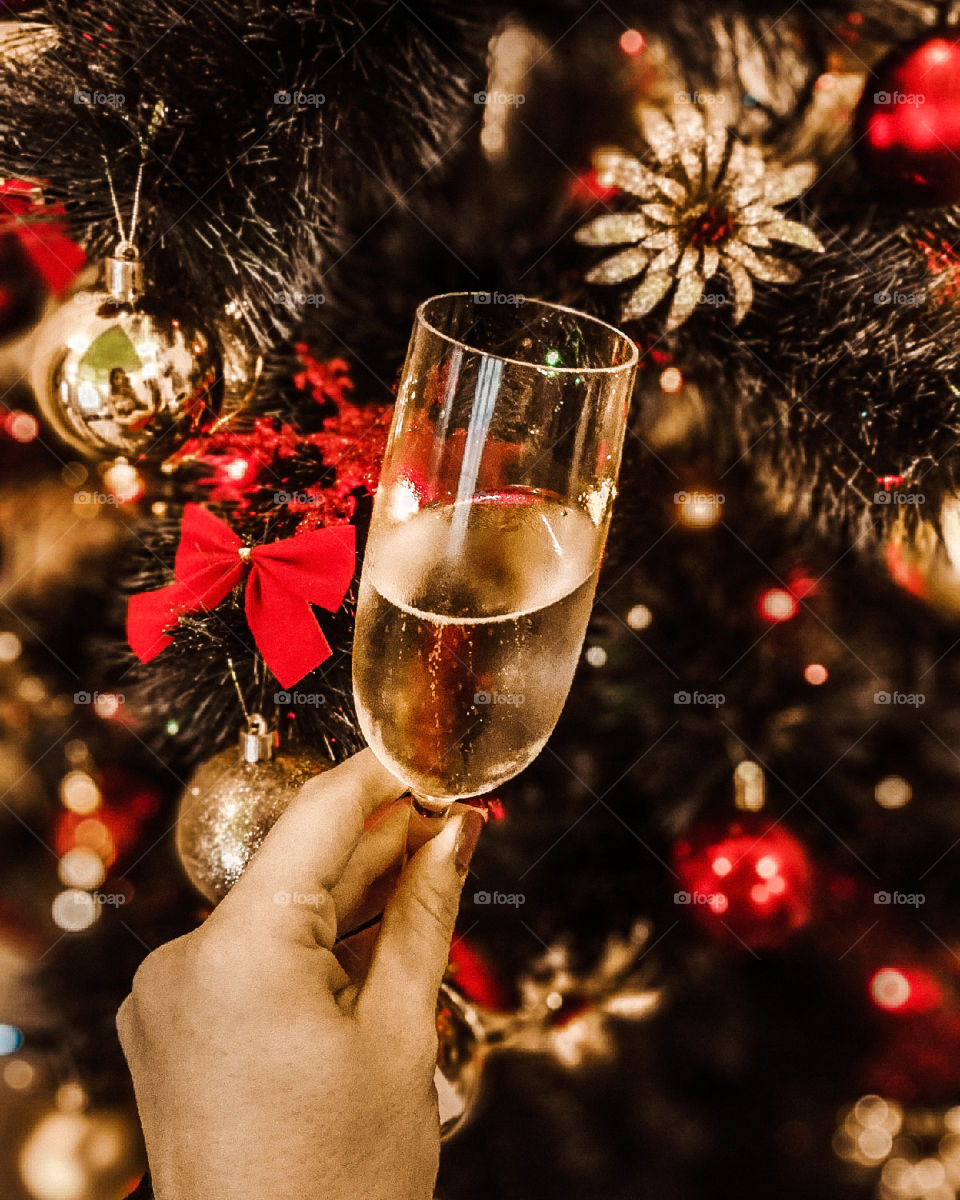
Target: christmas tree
(712,931)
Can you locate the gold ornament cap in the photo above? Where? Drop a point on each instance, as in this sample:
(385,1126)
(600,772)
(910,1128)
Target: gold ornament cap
(256,741)
(123,273)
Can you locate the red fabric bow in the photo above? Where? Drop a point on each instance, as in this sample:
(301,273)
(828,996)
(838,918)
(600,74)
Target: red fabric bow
(286,577)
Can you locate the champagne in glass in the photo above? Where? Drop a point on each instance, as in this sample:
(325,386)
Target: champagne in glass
(488,526)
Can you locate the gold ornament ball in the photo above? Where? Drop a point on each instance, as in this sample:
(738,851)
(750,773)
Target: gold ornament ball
(80,1155)
(923,555)
(112,370)
(231,804)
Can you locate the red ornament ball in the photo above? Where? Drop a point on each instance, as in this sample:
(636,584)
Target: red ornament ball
(750,882)
(909,120)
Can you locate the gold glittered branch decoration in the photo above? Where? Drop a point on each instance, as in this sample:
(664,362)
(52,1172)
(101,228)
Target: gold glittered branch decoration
(709,206)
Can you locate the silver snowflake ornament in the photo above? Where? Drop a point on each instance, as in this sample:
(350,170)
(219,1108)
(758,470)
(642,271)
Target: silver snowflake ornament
(711,205)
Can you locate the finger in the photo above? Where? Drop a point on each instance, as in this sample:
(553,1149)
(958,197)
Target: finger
(411,953)
(380,848)
(307,850)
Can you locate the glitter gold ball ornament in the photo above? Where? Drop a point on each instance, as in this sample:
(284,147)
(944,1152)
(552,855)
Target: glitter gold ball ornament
(113,371)
(923,555)
(231,803)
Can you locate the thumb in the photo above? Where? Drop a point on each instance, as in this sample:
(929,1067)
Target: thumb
(414,943)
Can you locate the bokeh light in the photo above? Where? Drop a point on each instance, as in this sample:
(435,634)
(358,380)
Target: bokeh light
(10,647)
(18,1074)
(749,786)
(639,617)
(893,792)
(107,704)
(11,1039)
(74,910)
(82,867)
(632,41)
(79,792)
(699,510)
(776,605)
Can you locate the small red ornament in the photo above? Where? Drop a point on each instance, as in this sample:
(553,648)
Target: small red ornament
(908,121)
(749,882)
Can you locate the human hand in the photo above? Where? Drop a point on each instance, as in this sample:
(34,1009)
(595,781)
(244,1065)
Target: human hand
(263,1069)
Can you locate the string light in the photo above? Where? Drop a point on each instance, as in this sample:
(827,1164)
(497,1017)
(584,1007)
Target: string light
(10,647)
(22,427)
(18,1074)
(749,786)
(95,835)
(893,792)
(82,867)
(632,42)
(74,910)
(815,674)
(904,989)
(31,689)
(71,1097)
(79,792)
(75,751)
(639,617)
(699,510)
(596,656)
(776,605)
(106,704)
(123,481)
(671,380)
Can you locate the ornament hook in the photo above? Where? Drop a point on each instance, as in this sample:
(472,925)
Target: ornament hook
(257,740)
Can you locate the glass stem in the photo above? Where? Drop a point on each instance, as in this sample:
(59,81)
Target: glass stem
(427,818)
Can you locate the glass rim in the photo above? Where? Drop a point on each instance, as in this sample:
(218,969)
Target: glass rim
(631,361)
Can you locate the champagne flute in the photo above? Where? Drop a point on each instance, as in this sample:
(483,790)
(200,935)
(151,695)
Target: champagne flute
(488,526)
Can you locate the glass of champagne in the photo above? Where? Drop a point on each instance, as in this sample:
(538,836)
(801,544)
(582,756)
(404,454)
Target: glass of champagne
(488,526)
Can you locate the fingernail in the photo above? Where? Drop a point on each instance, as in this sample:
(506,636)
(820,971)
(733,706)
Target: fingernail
(467,839)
